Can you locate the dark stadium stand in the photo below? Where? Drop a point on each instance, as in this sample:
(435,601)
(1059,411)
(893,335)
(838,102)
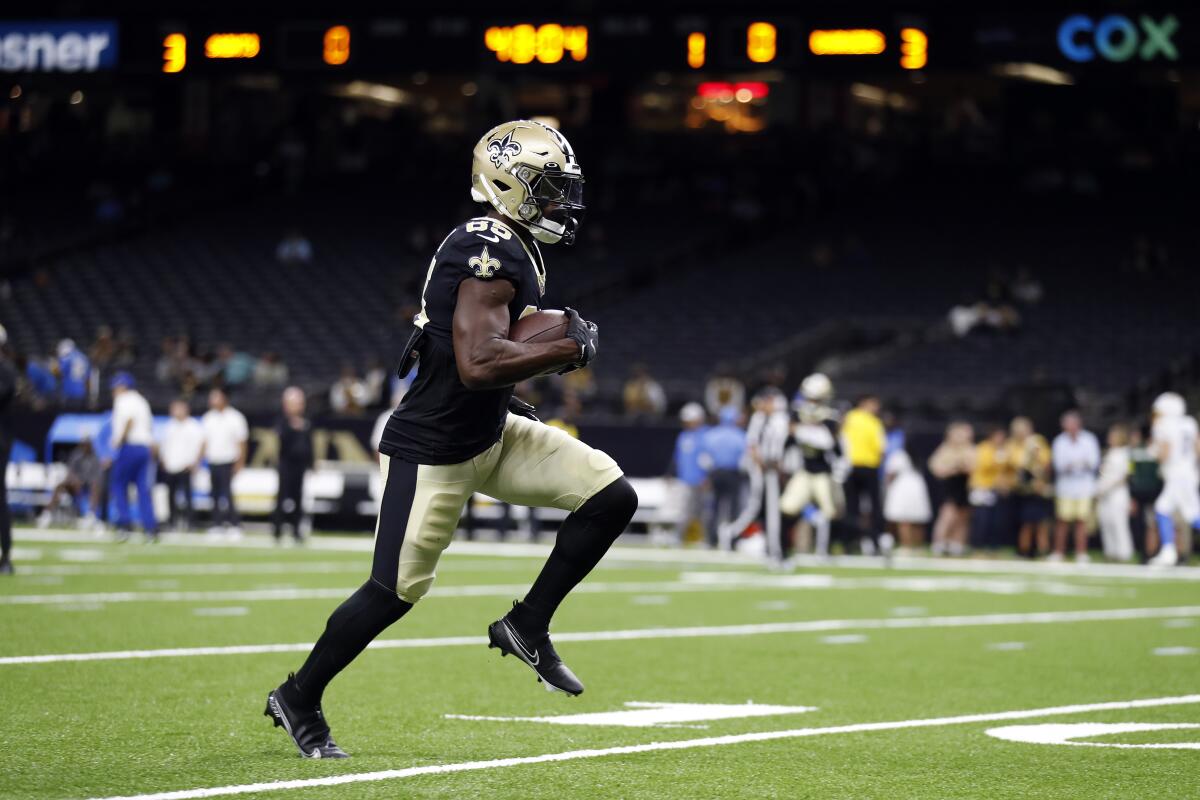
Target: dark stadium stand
(679,305)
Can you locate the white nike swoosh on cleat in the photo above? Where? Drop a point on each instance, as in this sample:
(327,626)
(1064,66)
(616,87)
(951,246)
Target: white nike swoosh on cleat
(533,658)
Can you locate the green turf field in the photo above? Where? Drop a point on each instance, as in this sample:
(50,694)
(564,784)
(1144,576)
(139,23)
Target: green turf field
(141,671)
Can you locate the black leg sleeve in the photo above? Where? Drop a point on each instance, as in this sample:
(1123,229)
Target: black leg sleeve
(351,627)
(583,539)
(5,517)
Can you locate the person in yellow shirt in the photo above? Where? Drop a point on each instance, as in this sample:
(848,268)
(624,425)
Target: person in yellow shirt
(1029,456)
(865,441)
(991,481)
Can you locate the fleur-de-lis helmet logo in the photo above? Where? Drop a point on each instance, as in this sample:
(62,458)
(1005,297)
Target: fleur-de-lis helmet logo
(503,150)
(484,265)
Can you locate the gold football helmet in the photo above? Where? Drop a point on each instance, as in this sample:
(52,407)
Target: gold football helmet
(527,171)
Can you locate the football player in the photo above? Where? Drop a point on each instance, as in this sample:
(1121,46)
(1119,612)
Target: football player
(460,430)
(816,434)
(1176,444)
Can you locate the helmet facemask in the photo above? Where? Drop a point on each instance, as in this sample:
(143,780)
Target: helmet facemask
(553,208)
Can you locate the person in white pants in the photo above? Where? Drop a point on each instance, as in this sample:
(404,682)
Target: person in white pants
(1175,441)
(1112,497)
(766,438)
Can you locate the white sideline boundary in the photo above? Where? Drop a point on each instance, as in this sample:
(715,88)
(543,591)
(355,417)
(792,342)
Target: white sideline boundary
(651,747)
(693,632)
(648,554)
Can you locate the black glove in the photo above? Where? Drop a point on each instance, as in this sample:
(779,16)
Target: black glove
(586,335)
(522,409)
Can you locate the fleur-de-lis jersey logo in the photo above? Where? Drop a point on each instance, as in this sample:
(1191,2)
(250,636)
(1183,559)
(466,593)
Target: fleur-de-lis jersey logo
(484,265)
(504,149)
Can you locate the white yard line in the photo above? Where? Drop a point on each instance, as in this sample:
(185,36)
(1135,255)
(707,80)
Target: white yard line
(359,567)
(807,626)
(645,554)
(704,581)
(652,747)
(338,593)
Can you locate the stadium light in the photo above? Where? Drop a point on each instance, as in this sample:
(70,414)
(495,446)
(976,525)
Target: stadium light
(852,42)
(743,91)
(1036,73)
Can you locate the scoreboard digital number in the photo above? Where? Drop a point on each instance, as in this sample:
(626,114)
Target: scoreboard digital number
(549,43)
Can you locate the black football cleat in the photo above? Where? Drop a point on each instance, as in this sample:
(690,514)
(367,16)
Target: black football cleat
(538,653)
(308,729)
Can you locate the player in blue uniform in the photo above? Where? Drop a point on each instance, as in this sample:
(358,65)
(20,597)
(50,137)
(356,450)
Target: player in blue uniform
(460,430)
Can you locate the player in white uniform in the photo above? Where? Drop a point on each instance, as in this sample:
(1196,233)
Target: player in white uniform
(1175,441)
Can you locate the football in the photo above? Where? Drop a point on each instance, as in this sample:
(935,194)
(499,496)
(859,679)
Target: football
(540,326)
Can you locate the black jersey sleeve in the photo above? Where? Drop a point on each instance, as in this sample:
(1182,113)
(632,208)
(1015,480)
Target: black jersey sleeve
(486,250)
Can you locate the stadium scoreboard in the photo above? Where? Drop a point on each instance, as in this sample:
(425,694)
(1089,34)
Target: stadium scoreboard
(847,43)
(447,44)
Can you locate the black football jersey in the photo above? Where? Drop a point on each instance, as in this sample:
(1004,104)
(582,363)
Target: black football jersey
(819,445)
(441,421)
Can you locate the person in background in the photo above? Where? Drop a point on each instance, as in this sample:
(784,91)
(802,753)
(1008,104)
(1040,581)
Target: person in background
(1029,459)
(1076,457)
(894,438)
(376,380)
(294,248)
(581,383)
(906,500)
(43,386)
(767,435)
(83,470)
(348,395)
(295,460)
(568,414)
(74,374)
(643,396)
(687,468)
(132,440)
(179,450)
(723,390)
(225,444)
(722,448)
(104,348)
(1145,485)
(1176,445)
(1112,497)
(237,366)
(98,514)
(815,433)
(991,481)
(270,371)
(865,441)
(952,463)
(8,390)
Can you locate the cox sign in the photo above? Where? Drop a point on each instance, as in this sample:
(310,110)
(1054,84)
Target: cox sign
(57,46)
(1117,38)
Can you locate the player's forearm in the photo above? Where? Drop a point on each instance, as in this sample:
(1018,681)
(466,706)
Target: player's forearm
(499,362)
